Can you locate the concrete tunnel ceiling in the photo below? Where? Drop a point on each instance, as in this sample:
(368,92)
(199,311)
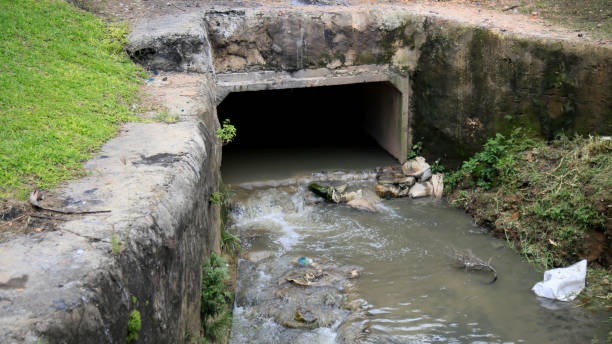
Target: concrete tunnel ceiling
(310,108)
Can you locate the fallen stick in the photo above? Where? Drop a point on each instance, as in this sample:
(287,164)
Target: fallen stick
(467,260)
(10,222)
(510,8)
(48,217)
(37,195)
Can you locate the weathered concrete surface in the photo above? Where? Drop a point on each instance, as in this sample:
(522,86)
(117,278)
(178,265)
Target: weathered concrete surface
(467,82)
(171,43)
(146,254)
(471,83)
(273,80)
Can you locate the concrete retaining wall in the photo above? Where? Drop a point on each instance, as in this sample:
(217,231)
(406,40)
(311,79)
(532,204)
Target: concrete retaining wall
(83,279)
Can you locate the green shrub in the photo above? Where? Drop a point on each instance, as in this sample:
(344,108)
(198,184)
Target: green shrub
(230,243)
(216,299)
(415,150)
(216,197)
(134,326)
(493,165)
(227,132)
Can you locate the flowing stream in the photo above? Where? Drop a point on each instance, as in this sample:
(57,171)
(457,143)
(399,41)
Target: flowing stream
(386,276)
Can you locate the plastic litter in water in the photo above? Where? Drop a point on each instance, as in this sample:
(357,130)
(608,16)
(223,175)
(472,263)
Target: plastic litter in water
(562,284)
(305,261)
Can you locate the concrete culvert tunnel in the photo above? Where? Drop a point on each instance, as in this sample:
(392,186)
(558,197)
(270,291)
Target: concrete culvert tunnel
(326,127)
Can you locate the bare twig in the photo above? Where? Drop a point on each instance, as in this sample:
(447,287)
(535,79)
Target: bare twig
(182,9)
(510,8)
(8,223)
(467,260)
(38,216)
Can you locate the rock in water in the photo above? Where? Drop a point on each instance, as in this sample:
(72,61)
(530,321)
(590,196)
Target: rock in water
(394,175)
(361,204)
(417,168)
(421,190)
(391,191)
(330,193)
(437,181)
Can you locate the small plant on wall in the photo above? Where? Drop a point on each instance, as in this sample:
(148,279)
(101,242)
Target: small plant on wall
(216,299)
(134,326)
(227,132)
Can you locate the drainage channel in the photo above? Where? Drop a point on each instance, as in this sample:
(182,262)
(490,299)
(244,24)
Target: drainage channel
(315,272)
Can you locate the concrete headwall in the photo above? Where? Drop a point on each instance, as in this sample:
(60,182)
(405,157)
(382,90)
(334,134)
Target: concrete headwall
(467,82)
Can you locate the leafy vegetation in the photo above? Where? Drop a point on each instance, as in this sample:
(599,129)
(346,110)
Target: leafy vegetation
(549,200)
(66,85)
(415,150)
(437,167)
(134,326)
(493,165)
(230,242)
(216,197)
(216,299)
(227,132)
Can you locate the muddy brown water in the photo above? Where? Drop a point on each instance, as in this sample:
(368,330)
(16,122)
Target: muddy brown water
(408,291)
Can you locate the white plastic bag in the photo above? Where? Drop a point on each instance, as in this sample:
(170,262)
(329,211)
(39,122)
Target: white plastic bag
(563,283)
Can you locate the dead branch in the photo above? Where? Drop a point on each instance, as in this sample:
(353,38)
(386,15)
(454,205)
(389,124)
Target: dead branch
(468,261)
(10,222)
(510,8)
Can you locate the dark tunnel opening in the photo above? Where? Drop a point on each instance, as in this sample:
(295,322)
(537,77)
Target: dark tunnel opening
(327,127)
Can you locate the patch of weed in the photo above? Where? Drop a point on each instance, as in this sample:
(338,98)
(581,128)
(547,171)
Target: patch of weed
(216,299)
(415,150)
(134,326)
(216,197)
(230,242)
(166,117)
(227,132)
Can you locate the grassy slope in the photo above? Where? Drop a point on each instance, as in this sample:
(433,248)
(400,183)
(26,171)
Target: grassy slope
(550,201)
(66,85)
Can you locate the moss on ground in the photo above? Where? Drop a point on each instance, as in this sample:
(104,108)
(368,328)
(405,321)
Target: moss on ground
(66,86)
(551,201)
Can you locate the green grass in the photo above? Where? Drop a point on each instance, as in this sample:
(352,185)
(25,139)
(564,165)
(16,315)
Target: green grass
(66,86)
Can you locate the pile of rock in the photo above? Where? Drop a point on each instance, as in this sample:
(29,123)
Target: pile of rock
(338,194)
(413,179)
